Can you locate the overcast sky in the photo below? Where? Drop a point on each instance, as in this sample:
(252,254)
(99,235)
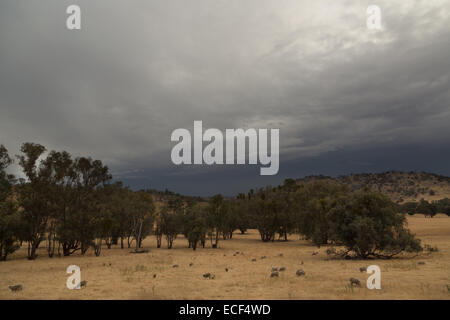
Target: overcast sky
(345,98)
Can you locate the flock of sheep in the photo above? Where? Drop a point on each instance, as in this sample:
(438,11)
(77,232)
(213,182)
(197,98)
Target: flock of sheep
(275,272)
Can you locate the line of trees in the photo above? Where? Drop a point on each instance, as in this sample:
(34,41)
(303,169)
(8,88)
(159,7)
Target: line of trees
(72,204)
(429,209)
(366,223)
(68,202)
(199,222)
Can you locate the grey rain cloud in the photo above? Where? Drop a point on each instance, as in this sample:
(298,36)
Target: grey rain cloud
(137,70)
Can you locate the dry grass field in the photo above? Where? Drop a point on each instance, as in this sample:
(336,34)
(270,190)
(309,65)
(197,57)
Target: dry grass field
(118,274)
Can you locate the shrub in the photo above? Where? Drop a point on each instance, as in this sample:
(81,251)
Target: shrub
(368,225)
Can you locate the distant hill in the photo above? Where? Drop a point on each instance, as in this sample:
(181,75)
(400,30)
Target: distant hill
(399,186)
(167,195)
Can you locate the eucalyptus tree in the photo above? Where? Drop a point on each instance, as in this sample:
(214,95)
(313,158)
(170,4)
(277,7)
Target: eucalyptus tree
(141,210)
(240,206)
(194,225)
(158,229)
(264,208)
(315,202)
(120,201)
(217,209)
(110,212)
(9,215)
(60,167)
(287,207)
(442,206)
(369,226)
(170,224)
(90,176)
(426,208)
(78,200)
(230,220)
(34,196)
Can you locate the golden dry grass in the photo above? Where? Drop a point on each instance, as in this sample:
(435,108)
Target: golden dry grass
(118,274)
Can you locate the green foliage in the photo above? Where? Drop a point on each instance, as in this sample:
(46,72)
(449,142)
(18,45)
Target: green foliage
(71,201)
(9,214)
(194,222)
(315,202)
(170,224)
(217,210)
(141,209)
(34,194)
(77,200)
(428,209)
(442,206)
(240,207)
(264,210)
(409,207)
(367,224)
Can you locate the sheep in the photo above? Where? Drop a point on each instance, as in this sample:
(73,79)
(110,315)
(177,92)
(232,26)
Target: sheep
(208,276)
(362,269)
(421,262)
(254,259)
(274,269)
(83,284)
(282,269)
(300,272)
(315,253)
(17,287)
(354,281)
(175,266)
(274,274)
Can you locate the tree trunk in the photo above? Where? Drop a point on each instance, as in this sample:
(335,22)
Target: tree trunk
(32,246)
(108,242)
(84,248)
(158,240)
(217,239)
(51,245)
(138,238)
(98,247)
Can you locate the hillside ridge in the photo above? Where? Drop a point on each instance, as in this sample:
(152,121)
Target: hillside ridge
(399,186)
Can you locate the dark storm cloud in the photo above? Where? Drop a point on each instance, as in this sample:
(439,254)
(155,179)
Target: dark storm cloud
(137,70)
